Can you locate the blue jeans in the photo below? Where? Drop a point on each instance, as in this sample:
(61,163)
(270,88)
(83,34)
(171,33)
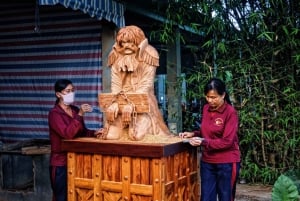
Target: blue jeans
(218,180)
(58,176)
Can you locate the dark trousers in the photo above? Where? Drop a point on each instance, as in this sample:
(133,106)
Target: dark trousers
(218,180)
(58,178)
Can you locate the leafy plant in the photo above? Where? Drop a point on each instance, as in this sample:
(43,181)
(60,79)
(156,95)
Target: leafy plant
(255,47)
(285,187)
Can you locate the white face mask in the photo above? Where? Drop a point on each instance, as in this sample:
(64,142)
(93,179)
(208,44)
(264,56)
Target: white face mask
(68,98)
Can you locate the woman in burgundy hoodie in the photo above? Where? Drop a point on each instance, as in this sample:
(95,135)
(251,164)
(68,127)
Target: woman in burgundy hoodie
(218,137)
(65,122)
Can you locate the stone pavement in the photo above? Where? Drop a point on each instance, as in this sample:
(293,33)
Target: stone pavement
(253,192)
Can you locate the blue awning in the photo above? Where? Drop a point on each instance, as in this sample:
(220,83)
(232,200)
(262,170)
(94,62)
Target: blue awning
(101,9)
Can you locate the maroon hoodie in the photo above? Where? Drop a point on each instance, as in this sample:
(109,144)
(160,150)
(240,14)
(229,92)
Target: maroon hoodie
(62,126)
(219,128)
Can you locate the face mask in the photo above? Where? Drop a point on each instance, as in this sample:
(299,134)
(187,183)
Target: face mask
(68,98)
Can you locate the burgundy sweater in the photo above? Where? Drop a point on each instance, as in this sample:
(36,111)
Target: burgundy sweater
(220,130)
(62,126)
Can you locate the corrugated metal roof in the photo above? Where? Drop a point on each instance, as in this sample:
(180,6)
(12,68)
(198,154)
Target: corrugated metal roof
(104,9)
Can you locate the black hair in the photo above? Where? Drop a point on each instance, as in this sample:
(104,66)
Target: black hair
(219,86)
(61,85)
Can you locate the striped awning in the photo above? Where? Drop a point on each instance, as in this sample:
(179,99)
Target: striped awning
(101,9)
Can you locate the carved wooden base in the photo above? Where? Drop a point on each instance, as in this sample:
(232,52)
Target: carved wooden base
(107,176)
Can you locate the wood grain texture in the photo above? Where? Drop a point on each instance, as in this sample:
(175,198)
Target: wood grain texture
(112,177)
(129,148)
(140,101)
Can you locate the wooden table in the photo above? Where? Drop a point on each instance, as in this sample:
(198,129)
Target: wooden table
(110,170)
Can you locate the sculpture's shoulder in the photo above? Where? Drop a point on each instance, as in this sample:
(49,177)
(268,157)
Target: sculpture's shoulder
(148,53)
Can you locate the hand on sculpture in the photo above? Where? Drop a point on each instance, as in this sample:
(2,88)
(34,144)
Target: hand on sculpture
(112,113)
(98,133)
(85,108)
(126,114)
(186,135)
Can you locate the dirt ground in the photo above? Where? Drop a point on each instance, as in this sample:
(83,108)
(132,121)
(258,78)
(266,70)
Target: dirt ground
(254,192)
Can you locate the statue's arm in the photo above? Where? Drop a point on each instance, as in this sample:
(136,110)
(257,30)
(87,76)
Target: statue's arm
(116,81)
(150,59)
(146,83)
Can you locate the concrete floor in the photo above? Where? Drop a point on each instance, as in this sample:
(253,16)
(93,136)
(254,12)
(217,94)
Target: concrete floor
(255,192)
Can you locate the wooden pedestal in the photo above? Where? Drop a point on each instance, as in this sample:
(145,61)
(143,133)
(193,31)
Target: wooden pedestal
(104,170)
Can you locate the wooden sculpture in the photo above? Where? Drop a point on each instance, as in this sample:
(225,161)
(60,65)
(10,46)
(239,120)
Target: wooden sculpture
(131,108)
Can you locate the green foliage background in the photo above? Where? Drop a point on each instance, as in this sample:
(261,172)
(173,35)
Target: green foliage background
(255,47)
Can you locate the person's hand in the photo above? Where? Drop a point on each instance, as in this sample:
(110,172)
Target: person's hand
(112,113)
(85,108)
(98,133)
(186,134)
(126,114)
(195,141)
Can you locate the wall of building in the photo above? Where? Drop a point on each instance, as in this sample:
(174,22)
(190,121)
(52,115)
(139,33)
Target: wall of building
(25,177)
(39,45)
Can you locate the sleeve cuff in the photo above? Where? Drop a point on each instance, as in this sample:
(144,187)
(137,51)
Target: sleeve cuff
(204,144)
(79,118)
(196,133)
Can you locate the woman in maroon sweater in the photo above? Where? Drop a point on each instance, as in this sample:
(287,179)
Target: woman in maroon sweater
(220,162)
(65,122)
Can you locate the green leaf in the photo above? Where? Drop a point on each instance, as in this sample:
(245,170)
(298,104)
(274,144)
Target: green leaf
(284,189)
(266,35)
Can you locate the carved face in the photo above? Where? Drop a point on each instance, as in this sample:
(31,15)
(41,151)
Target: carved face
(128,47)
(128,39)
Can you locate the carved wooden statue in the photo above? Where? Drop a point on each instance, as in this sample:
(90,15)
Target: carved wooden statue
(132,106)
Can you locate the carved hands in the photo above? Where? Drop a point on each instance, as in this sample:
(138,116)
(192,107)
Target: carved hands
(112,112)
(126,114)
